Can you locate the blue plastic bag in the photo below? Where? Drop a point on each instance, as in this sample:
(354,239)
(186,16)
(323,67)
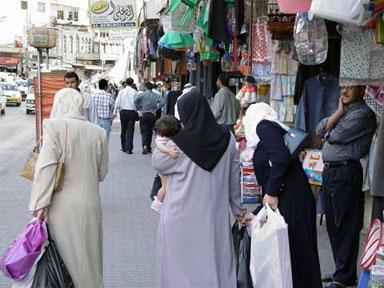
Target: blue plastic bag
(364,279)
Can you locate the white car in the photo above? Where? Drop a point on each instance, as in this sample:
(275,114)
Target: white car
(12,94)
(30,104)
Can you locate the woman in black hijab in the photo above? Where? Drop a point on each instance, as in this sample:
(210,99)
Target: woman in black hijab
(203,185)
(201,139)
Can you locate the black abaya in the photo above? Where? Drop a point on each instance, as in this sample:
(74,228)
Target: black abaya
(283,177)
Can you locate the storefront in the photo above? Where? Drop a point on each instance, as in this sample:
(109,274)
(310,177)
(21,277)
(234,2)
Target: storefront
(299,53)
(10,61)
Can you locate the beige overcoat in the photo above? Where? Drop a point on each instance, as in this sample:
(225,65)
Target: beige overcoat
(75,216)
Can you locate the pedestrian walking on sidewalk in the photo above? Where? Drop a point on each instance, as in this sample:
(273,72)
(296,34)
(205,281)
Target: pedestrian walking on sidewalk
(104,105)
(74,213)
(147,103)
(125,105)
(72,80)
(285,186)
(203,185)
(224,105)
(348,135)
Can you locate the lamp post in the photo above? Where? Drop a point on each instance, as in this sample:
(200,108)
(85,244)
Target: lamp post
(41,38)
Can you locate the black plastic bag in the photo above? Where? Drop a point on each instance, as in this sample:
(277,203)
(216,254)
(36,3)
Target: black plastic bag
(242,243)
(155,186)
(51,271)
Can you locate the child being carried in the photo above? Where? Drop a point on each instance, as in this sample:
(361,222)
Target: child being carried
(165,128)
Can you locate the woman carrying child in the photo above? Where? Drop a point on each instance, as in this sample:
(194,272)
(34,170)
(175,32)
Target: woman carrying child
(203,186)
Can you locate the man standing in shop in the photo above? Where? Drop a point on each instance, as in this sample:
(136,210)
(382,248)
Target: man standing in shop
(347,138)
(125,105)
(225,106)
(104,105)
(147,103)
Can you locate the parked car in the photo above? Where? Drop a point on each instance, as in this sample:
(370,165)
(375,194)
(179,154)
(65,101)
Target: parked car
(30,104)
(12,94)
(22,87)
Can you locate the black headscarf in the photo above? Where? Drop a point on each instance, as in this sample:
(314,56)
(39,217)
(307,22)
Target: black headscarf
(201,138)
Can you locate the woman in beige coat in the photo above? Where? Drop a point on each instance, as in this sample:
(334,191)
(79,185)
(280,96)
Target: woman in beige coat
(74,213)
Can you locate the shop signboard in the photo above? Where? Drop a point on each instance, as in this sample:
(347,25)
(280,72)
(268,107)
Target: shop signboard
(112,13)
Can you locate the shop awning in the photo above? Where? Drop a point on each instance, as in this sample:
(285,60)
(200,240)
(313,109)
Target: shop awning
(176,40)
(9,61)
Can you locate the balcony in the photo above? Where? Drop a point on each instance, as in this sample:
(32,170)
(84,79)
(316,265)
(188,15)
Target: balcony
(88,57)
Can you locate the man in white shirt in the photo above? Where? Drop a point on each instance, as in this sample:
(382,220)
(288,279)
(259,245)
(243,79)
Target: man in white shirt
(125,105)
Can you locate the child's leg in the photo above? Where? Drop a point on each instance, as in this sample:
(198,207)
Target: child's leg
(162,191)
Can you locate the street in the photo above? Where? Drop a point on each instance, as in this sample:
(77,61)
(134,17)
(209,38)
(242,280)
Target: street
(130,226)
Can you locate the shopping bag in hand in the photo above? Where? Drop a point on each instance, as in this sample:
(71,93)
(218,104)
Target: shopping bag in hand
(51,271)
(270,255)
(22,254)
(364,279)
(242,243)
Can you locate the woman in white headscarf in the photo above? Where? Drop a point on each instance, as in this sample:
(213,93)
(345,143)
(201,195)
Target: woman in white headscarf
(74,212)
(285,186)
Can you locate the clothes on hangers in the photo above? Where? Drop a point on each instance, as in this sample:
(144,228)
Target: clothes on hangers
(319,100)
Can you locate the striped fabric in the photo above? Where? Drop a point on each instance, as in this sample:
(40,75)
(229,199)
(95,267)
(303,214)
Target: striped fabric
(251,192)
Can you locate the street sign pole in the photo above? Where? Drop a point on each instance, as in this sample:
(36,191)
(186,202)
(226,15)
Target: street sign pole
(39,117)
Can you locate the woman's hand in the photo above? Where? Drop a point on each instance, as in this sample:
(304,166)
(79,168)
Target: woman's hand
(273,202)
(41,214)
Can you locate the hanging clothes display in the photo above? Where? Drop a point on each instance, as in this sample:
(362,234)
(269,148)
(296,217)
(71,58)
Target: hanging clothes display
(331,66)
(260,42)
(284,69)
(320,100)
(362,61)
(217,25)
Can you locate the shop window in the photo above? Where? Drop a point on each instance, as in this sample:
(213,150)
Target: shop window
(76,16)
(60,14)
(41,7)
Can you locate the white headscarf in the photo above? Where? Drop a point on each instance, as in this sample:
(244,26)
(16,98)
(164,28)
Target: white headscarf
(254,115)
(187,88)
(67,103)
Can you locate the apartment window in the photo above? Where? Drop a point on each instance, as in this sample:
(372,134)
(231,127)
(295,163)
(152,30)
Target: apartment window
(71,45)
(65,45)
(41,7)
(60,14)
(77,45)
(76,16)
(70,16)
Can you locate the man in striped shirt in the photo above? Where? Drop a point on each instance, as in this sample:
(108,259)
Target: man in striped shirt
(104,105)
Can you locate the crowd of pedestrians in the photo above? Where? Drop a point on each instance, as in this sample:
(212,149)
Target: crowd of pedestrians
(197,160)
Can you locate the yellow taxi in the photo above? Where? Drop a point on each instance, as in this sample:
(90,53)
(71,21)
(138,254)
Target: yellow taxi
(10,91)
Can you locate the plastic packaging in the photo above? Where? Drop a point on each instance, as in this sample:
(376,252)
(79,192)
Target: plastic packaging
(22,254)
(311,39)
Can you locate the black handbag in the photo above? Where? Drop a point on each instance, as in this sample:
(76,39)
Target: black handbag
(295,140)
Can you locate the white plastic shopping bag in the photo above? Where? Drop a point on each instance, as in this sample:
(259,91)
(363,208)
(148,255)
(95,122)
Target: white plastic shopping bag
(270,256)
(342,11)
